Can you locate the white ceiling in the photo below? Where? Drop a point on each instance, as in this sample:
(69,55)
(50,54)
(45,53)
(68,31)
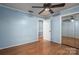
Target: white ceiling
(28,6)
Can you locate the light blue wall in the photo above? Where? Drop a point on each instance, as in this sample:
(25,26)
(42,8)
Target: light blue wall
(56,32)
(16,28)
(56,28)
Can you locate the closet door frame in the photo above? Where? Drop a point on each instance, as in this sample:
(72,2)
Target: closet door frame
(62,21)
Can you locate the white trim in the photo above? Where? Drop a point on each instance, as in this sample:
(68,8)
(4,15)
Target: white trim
(17,45)
(60,31)
(51,29)
(37,29)
(69,14)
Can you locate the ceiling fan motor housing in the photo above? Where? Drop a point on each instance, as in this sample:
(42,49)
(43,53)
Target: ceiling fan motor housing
(47,5)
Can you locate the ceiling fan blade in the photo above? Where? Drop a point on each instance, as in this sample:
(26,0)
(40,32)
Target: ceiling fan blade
(37,7)
(51,11)
(58,5)
(41,11)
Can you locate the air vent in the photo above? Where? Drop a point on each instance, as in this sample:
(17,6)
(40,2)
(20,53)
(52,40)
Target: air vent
(30,11)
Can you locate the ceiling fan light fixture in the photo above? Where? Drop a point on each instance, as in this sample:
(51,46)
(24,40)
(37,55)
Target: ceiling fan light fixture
(47,9)
(72,20)
(48,6)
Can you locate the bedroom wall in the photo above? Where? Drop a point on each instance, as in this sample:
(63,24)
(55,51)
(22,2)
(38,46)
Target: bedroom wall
(56,29)
(16,28)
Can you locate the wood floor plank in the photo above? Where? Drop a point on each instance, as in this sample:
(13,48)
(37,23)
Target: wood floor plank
(39,48)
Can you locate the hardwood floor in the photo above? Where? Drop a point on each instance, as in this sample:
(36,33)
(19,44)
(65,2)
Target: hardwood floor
(39,48)
(74,42)
(68,40)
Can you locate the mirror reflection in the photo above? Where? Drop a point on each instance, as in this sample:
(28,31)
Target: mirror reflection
(70,30)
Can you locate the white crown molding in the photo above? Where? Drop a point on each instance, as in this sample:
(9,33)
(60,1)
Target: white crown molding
(12,8)
(15,9)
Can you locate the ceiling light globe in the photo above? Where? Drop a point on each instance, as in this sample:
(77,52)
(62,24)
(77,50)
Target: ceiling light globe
(47,9)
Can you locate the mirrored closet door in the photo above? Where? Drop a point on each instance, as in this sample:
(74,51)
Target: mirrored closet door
(70,30)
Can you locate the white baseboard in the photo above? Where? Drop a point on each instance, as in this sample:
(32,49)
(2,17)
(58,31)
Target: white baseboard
(16,45)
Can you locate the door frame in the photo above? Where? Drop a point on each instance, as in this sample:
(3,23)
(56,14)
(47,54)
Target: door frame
(38,35)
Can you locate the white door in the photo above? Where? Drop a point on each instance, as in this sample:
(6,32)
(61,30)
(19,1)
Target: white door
(47,30)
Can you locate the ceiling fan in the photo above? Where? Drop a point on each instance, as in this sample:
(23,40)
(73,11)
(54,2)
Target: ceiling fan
(48,6)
